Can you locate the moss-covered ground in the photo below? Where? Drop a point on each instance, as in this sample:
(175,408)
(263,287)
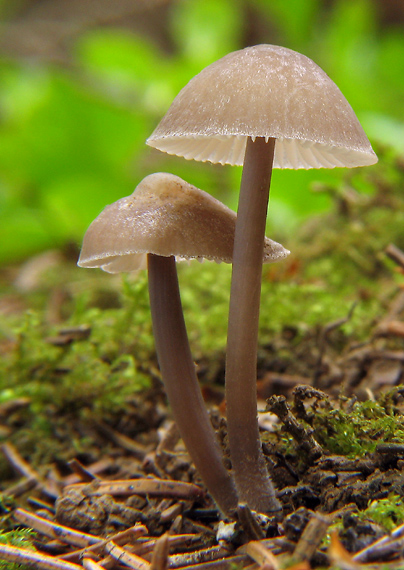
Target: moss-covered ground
(77,357)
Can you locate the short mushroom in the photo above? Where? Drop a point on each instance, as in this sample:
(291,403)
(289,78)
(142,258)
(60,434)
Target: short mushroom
(163,219)
(262,106)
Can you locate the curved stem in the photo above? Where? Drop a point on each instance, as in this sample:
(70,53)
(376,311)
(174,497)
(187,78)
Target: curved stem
(181,383)
(253,483)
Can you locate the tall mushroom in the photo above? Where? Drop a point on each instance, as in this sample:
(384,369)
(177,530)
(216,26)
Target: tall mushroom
(262,106)
(164,218)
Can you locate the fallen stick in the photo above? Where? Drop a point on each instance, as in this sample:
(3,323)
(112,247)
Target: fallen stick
(54,530)
(34,559)
(362,555)
(127,558)
(204,555)
(177,540)
(119,538)
(90,564)
(261,555)
(395,253)
(311,537)
(161,549)
(145,486)
(229,563)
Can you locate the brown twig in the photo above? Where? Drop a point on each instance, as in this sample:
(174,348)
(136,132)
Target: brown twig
(155,460)
(171,512)
(203,555)
(23,486)
(395,253)
(279,406)
(261,555)
(249,523)
(123,441)
(31,479)
(118,538)
(54,530)
(236,561)
(7,408)
(18,462)
(302,393)
(161,549)
(79,469)
(127,558)
(395,328)
(143,549)
(169,439)
(311,537)
(395,308)
(90,564)
(94,469)
(322,342)
(339,556)
(145,486)
(174,541)
(34,559)
(364,554)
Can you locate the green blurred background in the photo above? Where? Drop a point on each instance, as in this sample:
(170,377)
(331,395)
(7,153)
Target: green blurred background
(84,83)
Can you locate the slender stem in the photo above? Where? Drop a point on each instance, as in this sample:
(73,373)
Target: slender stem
(181,383)
(252,479)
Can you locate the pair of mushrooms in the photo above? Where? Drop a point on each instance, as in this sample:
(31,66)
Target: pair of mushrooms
(261,107)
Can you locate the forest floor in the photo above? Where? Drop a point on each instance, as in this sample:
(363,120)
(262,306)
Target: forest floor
(93,472)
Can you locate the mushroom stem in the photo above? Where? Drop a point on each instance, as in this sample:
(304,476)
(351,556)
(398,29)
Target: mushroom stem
(253,482)
(181,383)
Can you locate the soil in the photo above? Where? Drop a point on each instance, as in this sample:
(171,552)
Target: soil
(314,484)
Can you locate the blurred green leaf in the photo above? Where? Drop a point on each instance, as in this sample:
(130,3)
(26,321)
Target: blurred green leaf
(22,233)
(72,139)
(391,59)
(72,203)
(293,20)
(128,69)
(205,30)
(386,129)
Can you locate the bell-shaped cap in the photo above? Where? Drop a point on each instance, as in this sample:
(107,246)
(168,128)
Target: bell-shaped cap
(264,91)
(166,216)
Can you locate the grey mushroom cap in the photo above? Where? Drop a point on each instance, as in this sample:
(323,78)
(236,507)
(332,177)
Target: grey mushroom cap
(166,216)
(264,91)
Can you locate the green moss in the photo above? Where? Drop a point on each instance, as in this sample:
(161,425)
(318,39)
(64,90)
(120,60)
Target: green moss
(388,512)
(345,247)
(101,373)
(359,431)
(20,538)
(82,369)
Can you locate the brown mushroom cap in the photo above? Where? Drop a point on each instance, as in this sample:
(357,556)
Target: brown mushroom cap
(166,216)
(264,91)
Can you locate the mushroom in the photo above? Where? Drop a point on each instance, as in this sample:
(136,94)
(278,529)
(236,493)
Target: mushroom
(262,106)
(165,218)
